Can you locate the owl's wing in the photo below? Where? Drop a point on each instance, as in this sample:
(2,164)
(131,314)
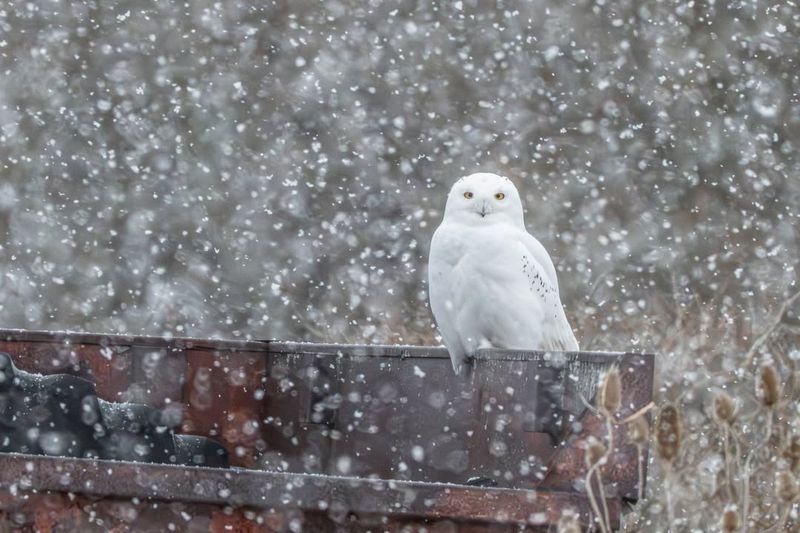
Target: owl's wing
(442,293)
(542,281)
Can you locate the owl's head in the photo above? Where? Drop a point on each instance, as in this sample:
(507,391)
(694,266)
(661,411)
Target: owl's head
(484,198)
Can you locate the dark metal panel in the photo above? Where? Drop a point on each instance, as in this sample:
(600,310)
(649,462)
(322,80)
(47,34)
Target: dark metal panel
(223,397)
(44,356)
(415,419)
(334,496)
(392,412)
(403,418)
(157,374)
(567,467)
(109,367)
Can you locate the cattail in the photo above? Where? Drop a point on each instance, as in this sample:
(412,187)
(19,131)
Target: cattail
(724,408)
(730,518)
(639,430)
(786,487)
(768,387)
(639,434)
(595,451)
(668,433)
(609,397)
(568,522)
(792,452)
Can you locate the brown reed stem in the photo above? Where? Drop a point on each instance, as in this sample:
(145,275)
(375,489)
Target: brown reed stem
(670,506)
(727,447)
(784,518)
(640,465)
(606,515)
(769,427)
(606,459)
(593,499)
(746,493)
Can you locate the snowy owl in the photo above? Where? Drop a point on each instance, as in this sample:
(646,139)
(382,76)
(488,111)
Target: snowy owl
(491,283)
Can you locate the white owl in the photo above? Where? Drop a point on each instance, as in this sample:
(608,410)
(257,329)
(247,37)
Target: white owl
(491,283)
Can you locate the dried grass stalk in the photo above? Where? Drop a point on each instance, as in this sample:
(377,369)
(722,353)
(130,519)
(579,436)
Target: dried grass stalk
(725,414)
(730,518)
(595,451)
(610,394)
(639,430)
(724,408)
(768,386)
(594,455)
(792,452)
(639,434)
(668,433)
(786,487)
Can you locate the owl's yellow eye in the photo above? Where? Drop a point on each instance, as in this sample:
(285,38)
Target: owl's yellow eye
(468,195)
(499,196)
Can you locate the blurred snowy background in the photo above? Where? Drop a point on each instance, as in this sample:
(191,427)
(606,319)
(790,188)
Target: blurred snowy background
(238,169)
(275,170)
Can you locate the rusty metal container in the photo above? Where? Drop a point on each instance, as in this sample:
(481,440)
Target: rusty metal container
(330,437)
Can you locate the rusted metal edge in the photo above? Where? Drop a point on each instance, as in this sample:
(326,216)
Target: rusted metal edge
(103,339)
(281,491)
(291,347)
(438,352)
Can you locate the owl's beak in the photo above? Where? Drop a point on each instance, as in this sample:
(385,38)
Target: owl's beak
(484,210)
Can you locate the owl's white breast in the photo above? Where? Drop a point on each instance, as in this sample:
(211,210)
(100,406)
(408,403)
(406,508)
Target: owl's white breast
(480,291)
